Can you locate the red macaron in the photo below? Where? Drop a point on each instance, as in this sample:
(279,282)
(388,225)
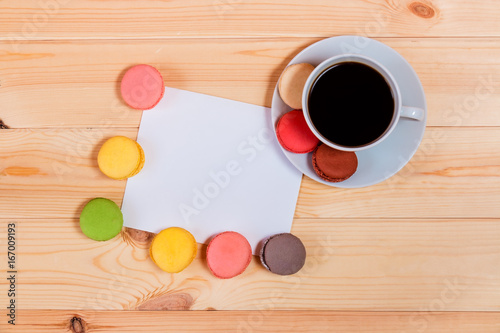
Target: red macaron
(294,134)
(334,165)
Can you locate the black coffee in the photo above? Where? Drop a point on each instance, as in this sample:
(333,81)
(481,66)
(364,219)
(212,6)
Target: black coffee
(351,104)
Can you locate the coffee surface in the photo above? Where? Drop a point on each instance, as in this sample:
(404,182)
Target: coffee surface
(351,104)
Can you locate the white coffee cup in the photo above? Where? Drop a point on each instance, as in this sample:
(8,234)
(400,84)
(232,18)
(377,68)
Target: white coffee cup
(400,110)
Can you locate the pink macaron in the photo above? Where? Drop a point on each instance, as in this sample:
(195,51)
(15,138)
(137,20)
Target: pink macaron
(228,254)
(142,87)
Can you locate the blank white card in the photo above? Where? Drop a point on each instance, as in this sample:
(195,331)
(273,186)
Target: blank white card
(212,165)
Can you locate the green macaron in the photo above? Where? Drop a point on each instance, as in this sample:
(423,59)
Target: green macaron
(101,219)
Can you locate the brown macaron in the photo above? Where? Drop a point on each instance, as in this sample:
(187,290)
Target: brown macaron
(292,82)
(283,254)
(334,165)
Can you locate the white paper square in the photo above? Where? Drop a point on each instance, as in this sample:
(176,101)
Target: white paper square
(223,149)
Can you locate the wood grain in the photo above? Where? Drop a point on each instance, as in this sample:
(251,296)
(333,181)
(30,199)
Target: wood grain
(33,19)
(455,174)
(424,243)
(66,159)
(46,321)
(352,264)
(76,83)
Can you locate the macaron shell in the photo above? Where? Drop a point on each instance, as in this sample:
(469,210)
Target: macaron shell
(292,82)
(120,158)
(228,255)
(173,249)
(334,165)
(101,219)
(294,134)
(142,87)
(141,162)
(261,253)
(283,254)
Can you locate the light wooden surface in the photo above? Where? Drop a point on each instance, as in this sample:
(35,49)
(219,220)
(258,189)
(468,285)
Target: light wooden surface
(352,264)
(50,321)
(51,173)
(425,243)
(228,18)
(85,75)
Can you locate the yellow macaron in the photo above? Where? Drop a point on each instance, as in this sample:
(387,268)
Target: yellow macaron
(120,158)
(173,249)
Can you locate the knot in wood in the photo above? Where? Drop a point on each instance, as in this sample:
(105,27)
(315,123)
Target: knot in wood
(77,325)
(422,10)
(2,125)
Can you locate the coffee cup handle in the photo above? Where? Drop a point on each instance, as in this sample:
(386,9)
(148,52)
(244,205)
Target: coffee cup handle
(412,113)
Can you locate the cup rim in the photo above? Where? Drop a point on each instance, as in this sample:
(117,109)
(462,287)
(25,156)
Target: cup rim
(352,57)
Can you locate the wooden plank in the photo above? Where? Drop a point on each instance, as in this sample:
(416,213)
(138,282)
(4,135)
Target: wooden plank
(352,264)
(48,19)
(65,159)
(454,174)
(251,321)
(76,83)
(52,173)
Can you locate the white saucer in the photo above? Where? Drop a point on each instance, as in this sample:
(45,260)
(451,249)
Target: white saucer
(391,155)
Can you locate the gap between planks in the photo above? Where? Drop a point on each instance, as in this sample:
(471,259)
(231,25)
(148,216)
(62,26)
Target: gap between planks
(191,38)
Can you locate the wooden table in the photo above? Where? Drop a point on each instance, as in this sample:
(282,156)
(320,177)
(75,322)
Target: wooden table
(417,253)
